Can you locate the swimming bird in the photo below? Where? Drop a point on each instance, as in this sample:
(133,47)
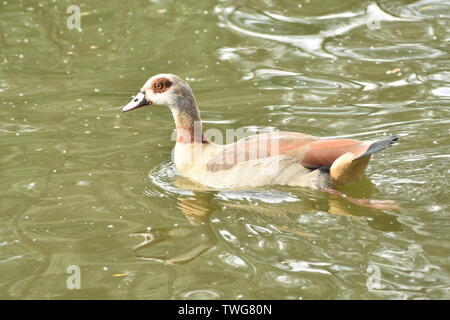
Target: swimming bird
(271,158)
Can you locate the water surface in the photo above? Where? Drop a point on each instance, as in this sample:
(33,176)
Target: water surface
(83,184)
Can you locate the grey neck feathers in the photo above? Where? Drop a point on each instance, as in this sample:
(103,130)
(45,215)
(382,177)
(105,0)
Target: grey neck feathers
(187,118)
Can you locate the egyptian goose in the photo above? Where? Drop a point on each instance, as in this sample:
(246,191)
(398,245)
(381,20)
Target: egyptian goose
(274,158)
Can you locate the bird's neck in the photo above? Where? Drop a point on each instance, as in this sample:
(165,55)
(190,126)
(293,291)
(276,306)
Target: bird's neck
(188,122)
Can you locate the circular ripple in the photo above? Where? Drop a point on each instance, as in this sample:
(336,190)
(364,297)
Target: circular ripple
(255,21)
(382,53)
(398,32)
(162,178)
(203,294)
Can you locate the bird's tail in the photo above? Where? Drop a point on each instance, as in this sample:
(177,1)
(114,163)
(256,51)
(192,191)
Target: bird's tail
(350,167)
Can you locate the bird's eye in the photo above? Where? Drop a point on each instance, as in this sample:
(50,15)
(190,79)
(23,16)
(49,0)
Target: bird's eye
(159,86)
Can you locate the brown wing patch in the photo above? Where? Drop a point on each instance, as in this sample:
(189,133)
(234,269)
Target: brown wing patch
(325,152)
(160,85)
(258,147)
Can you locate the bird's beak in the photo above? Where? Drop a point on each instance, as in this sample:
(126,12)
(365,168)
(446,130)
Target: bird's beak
(138,101)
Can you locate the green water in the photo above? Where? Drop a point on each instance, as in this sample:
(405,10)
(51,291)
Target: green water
(83,184)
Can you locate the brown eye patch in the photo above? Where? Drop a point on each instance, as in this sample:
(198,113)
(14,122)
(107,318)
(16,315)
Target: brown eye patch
(161,85)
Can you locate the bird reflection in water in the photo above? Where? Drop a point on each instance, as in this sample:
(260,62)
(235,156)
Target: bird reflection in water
(181,244)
